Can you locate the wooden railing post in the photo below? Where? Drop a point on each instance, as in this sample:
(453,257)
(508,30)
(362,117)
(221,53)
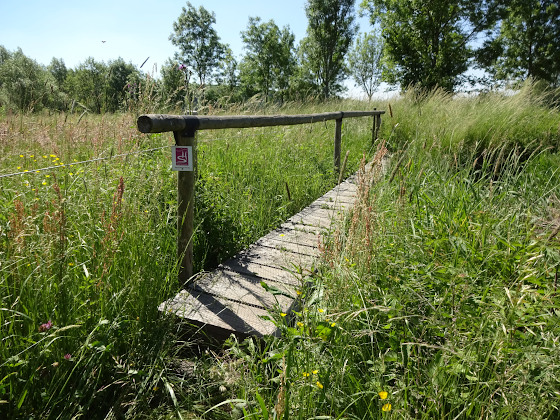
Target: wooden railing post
(376,126)
(185,202)
(337,145)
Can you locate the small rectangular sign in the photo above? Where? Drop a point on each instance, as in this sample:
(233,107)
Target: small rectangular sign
(182,158)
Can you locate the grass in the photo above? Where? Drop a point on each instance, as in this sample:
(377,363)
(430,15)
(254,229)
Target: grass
(436,298)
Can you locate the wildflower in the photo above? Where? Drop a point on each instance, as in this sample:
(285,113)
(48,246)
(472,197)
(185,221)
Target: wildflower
(46,326)
(53,156)
(27,170)
(47,176)
(44,156)
(298,292)
(383,395)
(321,310)
(71,264)
(283,314)
(315,372)
(67,356)
(19,167)
(333,324)
(70,174)
(305,374)
(386,407)
(282,234)
(300,324)
(319,385)
(44,182)
(31,156)
(155,388)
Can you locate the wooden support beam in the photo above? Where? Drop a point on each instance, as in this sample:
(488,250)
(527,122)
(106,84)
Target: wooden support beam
(337,145)
(185,213)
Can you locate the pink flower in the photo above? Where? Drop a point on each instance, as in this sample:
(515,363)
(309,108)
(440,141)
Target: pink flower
(67,356)
(45,327)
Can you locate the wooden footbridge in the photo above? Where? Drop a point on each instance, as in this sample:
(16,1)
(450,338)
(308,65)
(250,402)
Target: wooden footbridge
(238,295)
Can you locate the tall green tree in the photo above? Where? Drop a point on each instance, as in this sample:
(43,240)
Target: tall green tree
(427,42)
(269,61)
(364,62)
(198,42)
(86,84)
(25,85)
(330,32)
(526,43)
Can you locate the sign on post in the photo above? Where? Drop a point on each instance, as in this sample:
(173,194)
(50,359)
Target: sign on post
(182,158)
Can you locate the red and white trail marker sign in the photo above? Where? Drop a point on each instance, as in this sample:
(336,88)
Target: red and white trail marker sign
(182,158)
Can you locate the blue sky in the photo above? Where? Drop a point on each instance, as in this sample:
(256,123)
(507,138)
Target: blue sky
(134,30)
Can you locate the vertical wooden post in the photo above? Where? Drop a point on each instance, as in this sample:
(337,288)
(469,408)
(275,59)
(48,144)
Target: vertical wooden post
(185,213)
(337,145)
(376,126)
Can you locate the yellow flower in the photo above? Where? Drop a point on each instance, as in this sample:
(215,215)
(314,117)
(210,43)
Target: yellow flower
(71,264)
(315,372)
(283,314)
(319,385)
(31,156)
(47,176)
(44,182)
(19,167)
(44,156)
(300,324)
(333,324)
(305,374)
(386,407)
(298,292)
(20,155)
(26,170)
(70,174)
(383,395)
(321,310)
(52,155)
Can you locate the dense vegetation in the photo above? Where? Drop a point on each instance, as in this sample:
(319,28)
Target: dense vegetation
(436,298)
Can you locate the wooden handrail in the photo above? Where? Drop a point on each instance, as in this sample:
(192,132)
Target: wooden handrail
(160,123)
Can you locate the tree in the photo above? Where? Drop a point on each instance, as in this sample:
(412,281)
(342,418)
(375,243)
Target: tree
(427,41)
(198,42)
(526,43)
(58,70)
(24,84)
(364,61)
(269,61)
(86,84)
(118,82)
(330,32)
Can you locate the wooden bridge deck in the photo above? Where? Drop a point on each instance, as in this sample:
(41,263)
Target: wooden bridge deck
(232,299)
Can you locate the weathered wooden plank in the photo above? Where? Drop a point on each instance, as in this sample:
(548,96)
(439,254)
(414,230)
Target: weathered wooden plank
(222,315)
(293,236)
(310,250)
(243,288)
(259,268)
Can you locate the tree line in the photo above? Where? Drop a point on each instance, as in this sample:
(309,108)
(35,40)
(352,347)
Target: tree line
(421,43)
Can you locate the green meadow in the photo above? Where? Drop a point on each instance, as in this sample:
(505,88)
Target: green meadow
(436,297)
